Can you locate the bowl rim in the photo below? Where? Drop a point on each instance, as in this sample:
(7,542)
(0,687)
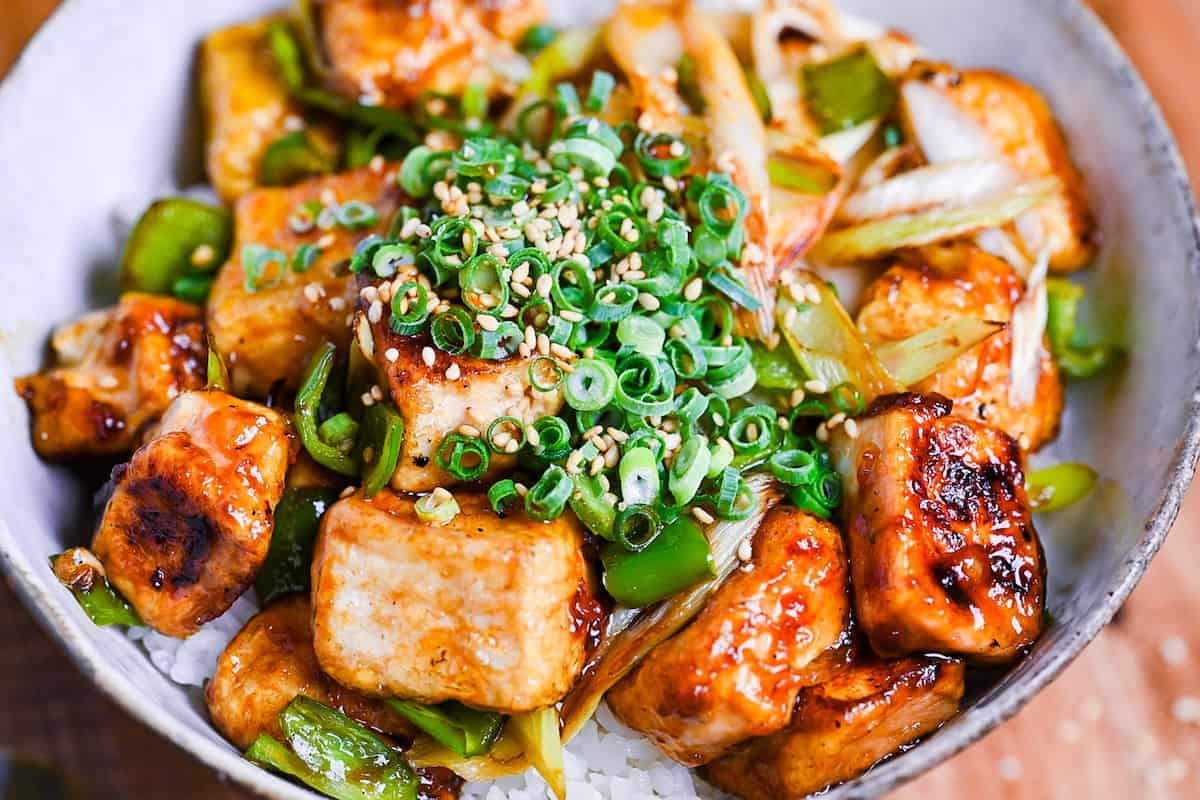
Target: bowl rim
(935,749)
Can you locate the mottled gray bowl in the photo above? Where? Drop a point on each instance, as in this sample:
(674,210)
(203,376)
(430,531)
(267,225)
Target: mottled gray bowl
(98,116)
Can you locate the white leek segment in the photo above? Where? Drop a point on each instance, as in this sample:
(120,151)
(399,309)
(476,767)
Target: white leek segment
(944,131)
(1028,328)
(914,359)
(538,734)
(953,183)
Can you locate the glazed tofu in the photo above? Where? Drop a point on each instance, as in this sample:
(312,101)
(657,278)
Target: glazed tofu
(115,373)
(246,106)
(267,334)
(434,405)
(1022,128)
(391,51)
(944,556)
(478,610)
(936,285)
(268,664)
(189,518)
(734,672)
(843,726)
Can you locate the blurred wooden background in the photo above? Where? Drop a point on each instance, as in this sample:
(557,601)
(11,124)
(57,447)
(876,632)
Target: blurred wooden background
(1122,722)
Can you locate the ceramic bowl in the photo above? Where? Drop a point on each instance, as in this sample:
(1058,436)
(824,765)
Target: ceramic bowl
(99,115)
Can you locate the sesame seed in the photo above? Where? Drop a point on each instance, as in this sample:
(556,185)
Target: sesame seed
(789,319)
(391,354)
(376,392)
(469,430)
(543,344)
(702,516)
(835,420)
(441,494)
(521,488)
(532,436)
(487,322)
(453,372)
(573,461)
(512,446)
(649,301)
(783,423)
(543,285)
(816,386)
(597,466)
(524,350)
(367,400)
(851,428)
(822,433)
(108,382)
(745,550)
(619,436)
(349,490)
(428,356)
(571,316)
(375,312)
(562,352)
(692,291)
(797,397)
(203,255)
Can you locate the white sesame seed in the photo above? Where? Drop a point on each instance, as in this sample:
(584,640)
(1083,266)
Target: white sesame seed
(612,457)
(573,461)
(349,490)
(822,433)
(835,420)
(512,446)
(203,255)
(561,351)
(789,319)
(851,428)
(692,291)
(543,285)
(453,372)
(543,344)
(428,356)
(702,516)
(745,550)
(391,354)
(649,301)
(619,436)
(376,392)
(521,488)
(488,322)
(108,382)
(597,466)
(375,312)
(367,400)
(469,430)
(571,316)
(797,397)
(816,386)
(532,436)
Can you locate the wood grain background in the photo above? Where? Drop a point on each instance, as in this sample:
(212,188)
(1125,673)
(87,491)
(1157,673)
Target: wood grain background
(1123,721)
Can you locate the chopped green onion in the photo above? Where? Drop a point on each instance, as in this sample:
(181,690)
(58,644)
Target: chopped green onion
(503,494)
(678,557)
(452,331)
(662,154)
(554,438)
(643,334)
(638,470)
(437,508)
(1058,486)
(305,256)
(545,375)
(466,731)
(256,261)
(536,39)
(613,303)
(464,458)
(591,386)
(689,469)
(636,526)
(601,88)
(547,498)
(752,432)
(339,431)
(720,456)
(794,467)
(511,427)
(591,507)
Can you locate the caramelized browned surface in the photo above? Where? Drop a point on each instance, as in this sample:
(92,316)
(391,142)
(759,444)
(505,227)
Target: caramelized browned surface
(268,664)
(391,51)
(864,713)
(734,672)
(1022,126)
(478,611)
(191,515)
(434,405)
(935,285)
(246,105)
(116,371)
(267,335)
(943,552)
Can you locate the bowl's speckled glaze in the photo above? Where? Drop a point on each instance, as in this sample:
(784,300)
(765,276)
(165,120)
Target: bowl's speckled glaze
(98,115)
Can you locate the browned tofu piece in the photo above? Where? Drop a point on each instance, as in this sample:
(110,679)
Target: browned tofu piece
(1022,125)
(936,285)
(268,664)
(267,334)
(434,405)
(943,553)
(478,610)
(391,51)
(190,516)
(246,106)
(865,713)
(734,672)
(116,371)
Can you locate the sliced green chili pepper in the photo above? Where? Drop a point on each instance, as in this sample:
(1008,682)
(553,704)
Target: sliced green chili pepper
(464,730)
(288,564)
(308,405)
(292,158)
(175,237)
(1062,327)
(335,755)
(848,90)
(1060,485)
(678,557)
(80,571)
(383,432)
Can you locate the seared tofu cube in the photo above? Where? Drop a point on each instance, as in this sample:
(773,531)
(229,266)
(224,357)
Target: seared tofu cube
(268,333)
(246,106)
(391,52)
(936,285)
(268,664)
(478,610)
(943,553)
(116,371)
(842,727)
(438,398)
(734,672)
(190,516)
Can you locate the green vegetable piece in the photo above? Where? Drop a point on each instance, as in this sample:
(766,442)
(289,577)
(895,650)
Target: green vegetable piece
(1052,488)
(678,557)
(174,237)
(287,568)
(383,432)
(292,158)
(776,369)
(80,571)
(536,39)
(1075,359)
(335,755)
(589,505)
(466,731)
(848,90)
(914,359)
(567,53)
(801,175)
(308,407)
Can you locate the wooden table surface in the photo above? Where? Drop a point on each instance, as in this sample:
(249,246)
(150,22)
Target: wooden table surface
(1123,721)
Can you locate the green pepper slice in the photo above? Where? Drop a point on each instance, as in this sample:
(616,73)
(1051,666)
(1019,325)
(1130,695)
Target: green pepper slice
(308,411)
(80,571)
(848,90)
(292,158)
(679,557)
(466,731)
(287,567)
(383,432)
(176,238)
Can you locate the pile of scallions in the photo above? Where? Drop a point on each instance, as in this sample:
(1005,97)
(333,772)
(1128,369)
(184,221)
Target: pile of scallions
(595,252)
